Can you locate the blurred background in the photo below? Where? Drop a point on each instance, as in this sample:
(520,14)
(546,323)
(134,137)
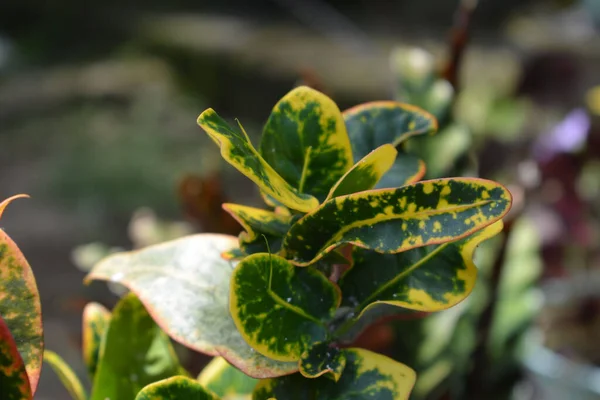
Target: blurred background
(98,108)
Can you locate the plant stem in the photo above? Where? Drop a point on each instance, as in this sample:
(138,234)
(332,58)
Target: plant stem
(459,37)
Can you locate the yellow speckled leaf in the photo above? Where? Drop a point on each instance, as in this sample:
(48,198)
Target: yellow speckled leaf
(395,220)
(237,150)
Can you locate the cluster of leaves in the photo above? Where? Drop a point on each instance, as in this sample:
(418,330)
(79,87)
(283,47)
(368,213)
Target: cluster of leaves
(349,230)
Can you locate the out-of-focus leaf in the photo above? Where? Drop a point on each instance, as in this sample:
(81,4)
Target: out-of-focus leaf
(66,375)
(95,323)
(226,381)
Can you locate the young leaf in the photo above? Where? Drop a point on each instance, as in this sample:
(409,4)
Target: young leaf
(322,359)
(225,380)
(429,278)
(365,174)
(396,220)
(95,323)
(259,225)
(66,375)
(175,388)
(306,142)
(135,353)
(371,125)
(279,309)
(14,383)
(184,284)
(20,306)
(237,150)
(367,375)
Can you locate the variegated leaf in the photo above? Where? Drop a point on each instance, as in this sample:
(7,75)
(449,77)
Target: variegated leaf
(281,310)
(184,284)
(365,174)
(305,141)
(429,278)
(395,220)
(20,306)
(322,359)
(237,150)
(367,375)
(14,383)
(94,325)
(175,388)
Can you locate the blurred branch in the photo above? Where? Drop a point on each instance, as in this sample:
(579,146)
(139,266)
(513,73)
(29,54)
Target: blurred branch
(459,37)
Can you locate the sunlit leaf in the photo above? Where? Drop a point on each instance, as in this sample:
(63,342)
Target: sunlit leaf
(280,309)
(429,278)
(365,174)
(14,383)
(135,352)
(367,375)
(237,150)
(66,375)
(20,306)
(95,323)
(185,286)
(322,359)
(305,141)
(396,220)
(226,381)
(175,388)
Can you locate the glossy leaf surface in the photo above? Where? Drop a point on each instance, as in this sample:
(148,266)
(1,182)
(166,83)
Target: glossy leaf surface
(226,381)
(396,220)
(237,150)
(429,278)
(175,388)
(135,353)
(367,375)
(365,174)
(66,375)
(20,306)
(184,284)
(14,383)
(279,309)
(305,141)
(95,323)
(322,359)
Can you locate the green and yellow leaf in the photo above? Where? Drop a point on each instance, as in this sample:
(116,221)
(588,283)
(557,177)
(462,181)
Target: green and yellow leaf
(20,306)
(367,375)
(226,381)
(135,352)
(66,375)
(264,229)
(281,310)
(322,359)
(237,150)
(306,142)
(175,388)
(430,278)
(373,124)
(365,174)
(184,284)
(95,323)
(14,383)
(395,220)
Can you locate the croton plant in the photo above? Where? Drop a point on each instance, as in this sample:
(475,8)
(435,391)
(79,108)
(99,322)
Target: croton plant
(349,233)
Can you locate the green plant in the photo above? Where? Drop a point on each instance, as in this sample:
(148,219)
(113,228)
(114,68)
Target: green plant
(350,235)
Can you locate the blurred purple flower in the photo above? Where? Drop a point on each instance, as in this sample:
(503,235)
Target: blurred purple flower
(568,136)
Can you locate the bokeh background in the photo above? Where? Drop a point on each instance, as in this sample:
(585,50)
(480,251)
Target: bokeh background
(98,103)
